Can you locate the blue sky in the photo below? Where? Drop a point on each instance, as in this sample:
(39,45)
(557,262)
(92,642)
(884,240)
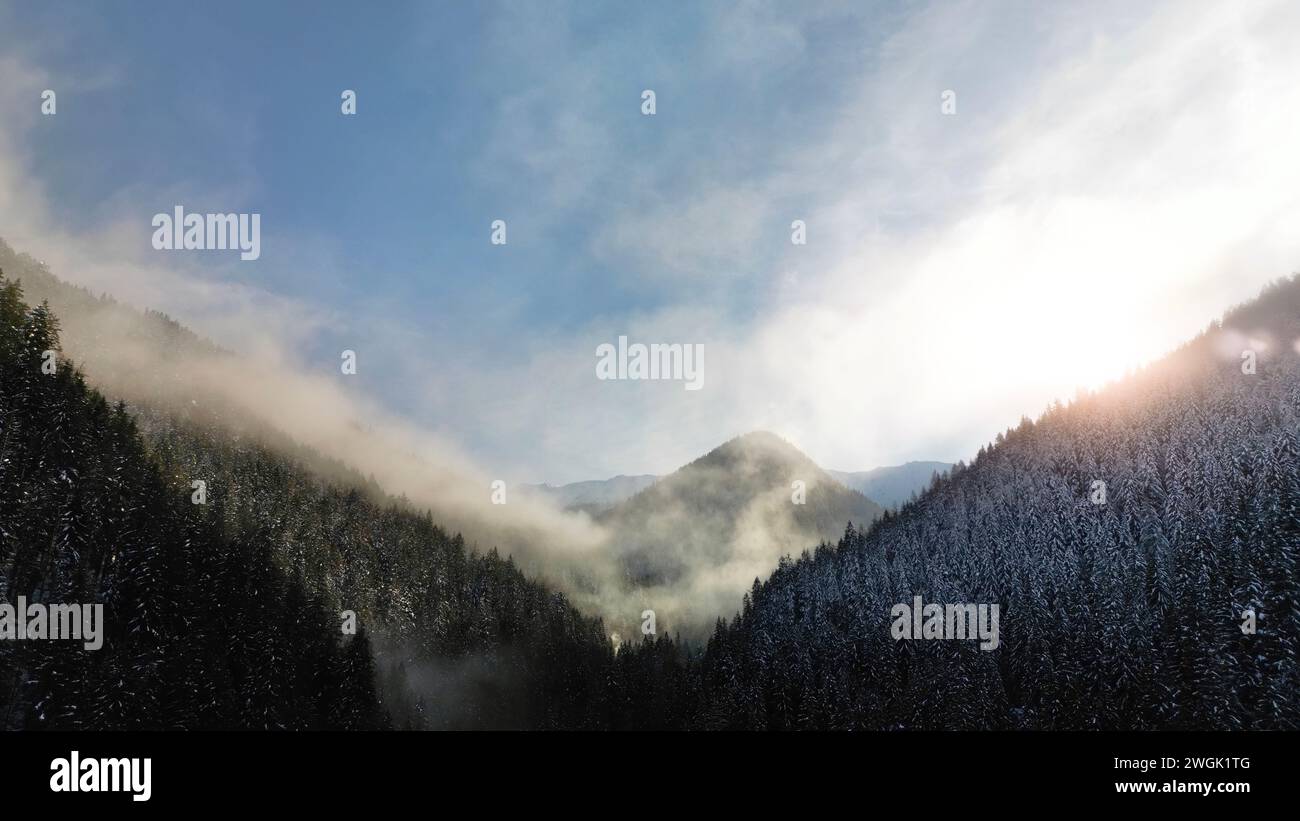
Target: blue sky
(247,95)
(1109,184)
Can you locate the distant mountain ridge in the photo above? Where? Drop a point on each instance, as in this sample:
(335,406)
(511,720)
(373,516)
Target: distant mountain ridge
(595,495)
(894,485)
(890,486)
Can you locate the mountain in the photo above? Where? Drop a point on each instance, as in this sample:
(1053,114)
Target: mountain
(692,542)
(595,495)
(1141,544)
(894,485)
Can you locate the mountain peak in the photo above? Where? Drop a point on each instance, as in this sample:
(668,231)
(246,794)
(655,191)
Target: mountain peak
(706,530)
(758,447)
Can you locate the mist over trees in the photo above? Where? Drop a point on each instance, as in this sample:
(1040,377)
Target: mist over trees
(201,630)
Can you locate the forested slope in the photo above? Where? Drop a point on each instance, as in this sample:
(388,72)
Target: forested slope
(202,629)
(220,610)
(463,638)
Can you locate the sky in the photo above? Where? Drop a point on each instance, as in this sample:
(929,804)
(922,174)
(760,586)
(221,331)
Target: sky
(1113,177)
